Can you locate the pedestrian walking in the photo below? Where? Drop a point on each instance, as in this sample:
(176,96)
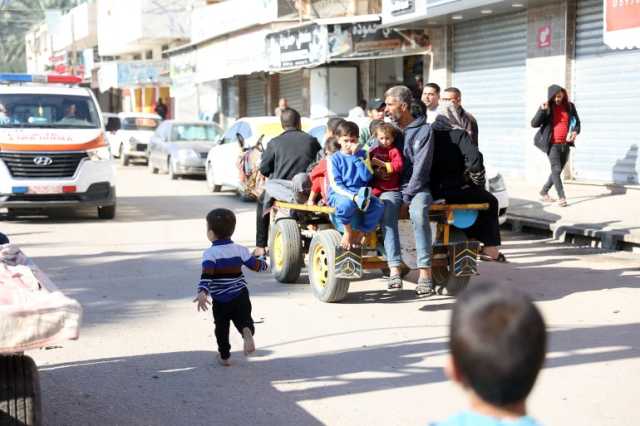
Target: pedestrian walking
(222,280)
(459,117)
(559,124)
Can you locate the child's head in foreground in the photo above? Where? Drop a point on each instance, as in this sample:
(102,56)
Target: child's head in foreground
(386,134)
(498,343)
(331,146)
(347,133)
(221,223)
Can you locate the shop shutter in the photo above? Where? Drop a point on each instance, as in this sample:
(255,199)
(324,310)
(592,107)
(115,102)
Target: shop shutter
(489,68)
(606,92)
(291,85)
(256,99)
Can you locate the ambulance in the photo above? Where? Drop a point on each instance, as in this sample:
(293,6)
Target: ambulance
(53,151)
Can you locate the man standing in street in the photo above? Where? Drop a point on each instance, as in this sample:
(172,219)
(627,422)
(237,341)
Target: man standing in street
(285,156)
(283,103)
(461,118)
(431,99)
(559,125)
(161,109)
(418,156)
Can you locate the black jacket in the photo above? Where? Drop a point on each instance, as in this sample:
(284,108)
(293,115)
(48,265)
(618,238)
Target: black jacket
(417,147)
(454,154)
(289,154)
(543,120)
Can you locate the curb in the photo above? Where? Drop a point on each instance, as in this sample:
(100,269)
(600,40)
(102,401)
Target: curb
(566,231)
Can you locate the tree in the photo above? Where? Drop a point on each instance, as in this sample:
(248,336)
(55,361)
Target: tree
(16,18)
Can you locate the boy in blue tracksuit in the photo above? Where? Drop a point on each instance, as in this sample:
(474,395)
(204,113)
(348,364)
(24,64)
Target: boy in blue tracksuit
(349,175)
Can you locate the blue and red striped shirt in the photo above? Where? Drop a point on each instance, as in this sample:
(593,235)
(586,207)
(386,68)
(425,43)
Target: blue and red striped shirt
(222,275)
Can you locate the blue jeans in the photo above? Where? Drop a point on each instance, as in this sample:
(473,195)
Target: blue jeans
(419,212)
(392,201)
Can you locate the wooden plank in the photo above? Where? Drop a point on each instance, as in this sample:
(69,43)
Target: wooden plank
(434,207)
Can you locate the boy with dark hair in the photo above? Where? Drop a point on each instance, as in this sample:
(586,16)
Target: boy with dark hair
(223,280)
(349,172)
(498,343)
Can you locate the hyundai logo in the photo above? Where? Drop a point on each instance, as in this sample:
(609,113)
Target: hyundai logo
(43,161)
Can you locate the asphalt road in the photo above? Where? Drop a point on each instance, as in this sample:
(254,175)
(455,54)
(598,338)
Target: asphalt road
(146,357)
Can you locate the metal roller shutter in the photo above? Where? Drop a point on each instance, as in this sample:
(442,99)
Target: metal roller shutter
(256,102)
(606,92)
(489,68)
(291,85)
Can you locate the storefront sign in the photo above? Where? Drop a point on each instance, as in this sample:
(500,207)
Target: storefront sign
(298,47)
(403,11)
(622,23)
(544,37)
(371,40)
(401,7)
(143,73)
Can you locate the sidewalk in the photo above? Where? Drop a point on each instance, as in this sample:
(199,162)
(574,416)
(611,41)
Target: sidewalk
(608,215)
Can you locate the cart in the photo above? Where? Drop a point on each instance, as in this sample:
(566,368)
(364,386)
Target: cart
(300,232)
(33,314)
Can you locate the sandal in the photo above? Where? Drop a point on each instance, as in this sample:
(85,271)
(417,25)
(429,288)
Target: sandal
(546,198)
(425,288)
(562,203)
(394,283)
(486,258)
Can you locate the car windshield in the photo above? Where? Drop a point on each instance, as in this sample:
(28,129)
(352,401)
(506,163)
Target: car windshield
(140,123)
(195,132)
(48,111)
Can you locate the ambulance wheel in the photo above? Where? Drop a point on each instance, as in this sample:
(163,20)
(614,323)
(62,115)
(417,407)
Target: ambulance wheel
(285,248)
(322,267)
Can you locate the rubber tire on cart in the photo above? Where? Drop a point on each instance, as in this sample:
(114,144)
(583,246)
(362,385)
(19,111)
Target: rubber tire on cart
(107,212)
(322,267)
(285,248)
(443,277)
(19,391)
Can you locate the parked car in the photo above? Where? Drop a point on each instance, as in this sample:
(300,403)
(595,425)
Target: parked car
(128,134)
(181,147)
(234,161)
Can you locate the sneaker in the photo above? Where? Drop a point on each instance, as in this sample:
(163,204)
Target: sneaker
(394,283)
(223,362)
(249,344)
(425,287)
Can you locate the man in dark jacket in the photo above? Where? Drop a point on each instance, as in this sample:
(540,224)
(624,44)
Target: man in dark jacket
(458,177)
(285,156)
(418,153)
(559,125)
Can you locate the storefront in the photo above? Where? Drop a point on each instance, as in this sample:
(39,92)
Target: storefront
(142,83)
(606,90)
(183,88)
(255,92)
(489,68)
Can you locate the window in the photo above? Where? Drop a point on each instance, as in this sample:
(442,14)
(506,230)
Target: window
(195,132)
(140,123)
(148,54)
(48,111)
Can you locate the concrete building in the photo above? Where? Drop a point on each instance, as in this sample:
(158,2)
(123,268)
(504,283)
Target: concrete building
(39,44)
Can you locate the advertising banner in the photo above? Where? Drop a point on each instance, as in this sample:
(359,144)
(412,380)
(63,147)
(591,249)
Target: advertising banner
(299,47)
(621,24)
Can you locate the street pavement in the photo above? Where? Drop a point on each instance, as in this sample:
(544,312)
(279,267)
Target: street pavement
(146,356)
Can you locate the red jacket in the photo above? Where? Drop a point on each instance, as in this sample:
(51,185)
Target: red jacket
(387,179)
(317,176)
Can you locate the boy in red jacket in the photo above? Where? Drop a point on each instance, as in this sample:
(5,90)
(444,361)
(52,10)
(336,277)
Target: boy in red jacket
(318,174)
(386,160)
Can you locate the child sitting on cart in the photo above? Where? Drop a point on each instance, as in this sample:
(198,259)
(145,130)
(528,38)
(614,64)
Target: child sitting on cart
(386,160)
(318,174)
(350,174)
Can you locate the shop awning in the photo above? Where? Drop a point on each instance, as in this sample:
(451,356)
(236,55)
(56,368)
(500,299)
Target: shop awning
(621,26)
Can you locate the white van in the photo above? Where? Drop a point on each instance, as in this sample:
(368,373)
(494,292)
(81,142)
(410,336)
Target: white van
(53,151)
(129,133)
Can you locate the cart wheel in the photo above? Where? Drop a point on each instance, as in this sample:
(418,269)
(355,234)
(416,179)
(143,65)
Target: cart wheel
(322,267)
(285,246)
(19,391)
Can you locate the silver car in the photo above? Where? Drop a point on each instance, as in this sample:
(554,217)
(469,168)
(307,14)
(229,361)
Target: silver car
(181,147)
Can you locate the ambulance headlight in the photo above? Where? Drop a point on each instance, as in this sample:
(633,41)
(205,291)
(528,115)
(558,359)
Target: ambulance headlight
(100,154)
